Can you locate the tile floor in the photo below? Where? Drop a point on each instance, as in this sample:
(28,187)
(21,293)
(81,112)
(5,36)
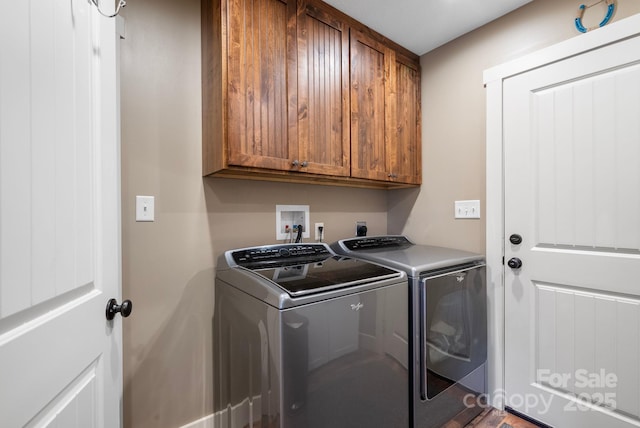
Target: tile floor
(493,418)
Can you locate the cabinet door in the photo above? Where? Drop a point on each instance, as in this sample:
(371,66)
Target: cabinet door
(323,91)
(261,121)
(370,68)
(405,140)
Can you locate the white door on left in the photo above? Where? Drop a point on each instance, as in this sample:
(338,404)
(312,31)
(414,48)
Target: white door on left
(60,359)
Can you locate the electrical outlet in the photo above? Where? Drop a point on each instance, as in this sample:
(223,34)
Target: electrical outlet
(319,235)
(361,228)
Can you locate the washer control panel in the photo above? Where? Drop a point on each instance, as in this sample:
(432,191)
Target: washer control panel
(281,253)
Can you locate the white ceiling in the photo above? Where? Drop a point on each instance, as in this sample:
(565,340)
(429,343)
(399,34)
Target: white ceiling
(423,25)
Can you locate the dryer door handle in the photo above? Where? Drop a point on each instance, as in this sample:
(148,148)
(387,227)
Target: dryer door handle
(422,320)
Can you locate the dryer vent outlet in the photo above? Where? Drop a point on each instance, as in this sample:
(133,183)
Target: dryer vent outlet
(361,228)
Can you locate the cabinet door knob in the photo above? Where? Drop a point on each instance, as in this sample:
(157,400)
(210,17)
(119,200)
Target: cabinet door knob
(304,163)
(295,162)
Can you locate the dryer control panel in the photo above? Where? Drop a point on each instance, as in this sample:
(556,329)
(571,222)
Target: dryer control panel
(376,242)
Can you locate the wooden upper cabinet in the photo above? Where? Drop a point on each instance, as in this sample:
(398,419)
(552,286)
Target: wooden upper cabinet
(385,112)
(261,86)
(294,90)
(249,84)
(370,67)
(405,157)
(323,90)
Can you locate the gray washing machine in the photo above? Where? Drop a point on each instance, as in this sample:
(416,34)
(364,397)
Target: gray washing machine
(448,328)
(303,338)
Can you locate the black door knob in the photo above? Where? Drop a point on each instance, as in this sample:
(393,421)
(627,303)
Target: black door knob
(514,263)
(515,239)
(113,308)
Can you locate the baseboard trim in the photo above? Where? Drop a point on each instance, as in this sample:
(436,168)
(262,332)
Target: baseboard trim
(206,422)
(245,413)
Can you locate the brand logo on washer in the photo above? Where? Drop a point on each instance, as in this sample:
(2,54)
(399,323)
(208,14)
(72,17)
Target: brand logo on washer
(356,307)
(460,277)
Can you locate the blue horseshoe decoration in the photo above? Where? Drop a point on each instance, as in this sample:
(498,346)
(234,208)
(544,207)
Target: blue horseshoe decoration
(578,21)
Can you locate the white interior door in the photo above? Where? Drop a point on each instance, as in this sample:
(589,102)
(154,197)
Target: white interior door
(572,191)
(60,360)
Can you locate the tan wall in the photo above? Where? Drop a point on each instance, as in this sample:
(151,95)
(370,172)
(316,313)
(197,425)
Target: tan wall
(453,117)
(168,265)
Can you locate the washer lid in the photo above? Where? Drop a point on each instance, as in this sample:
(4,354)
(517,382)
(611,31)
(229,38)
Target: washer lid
(302,269)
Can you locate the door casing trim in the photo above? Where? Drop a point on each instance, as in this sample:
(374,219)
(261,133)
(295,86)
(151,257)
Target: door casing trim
(495,209)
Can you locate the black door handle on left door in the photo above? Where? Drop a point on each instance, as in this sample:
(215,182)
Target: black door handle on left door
(514,263)
(113,308)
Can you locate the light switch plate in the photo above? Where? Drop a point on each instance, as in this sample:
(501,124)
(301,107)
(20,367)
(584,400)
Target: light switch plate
(467,209)
(145,208)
